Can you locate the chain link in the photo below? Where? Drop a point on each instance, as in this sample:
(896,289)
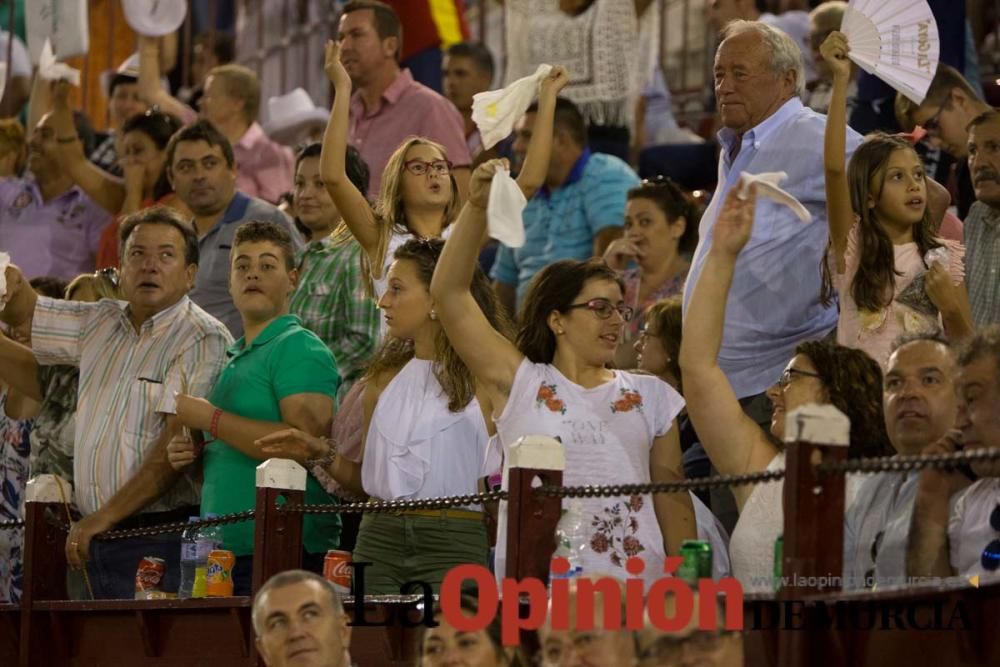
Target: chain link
(398,505)
(12,524)
(901,463)
(616,490)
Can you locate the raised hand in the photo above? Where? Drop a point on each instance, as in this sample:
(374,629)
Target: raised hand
(554,82)
(334,69)
(942,292)
(834,51)
(482,178)
(620,252)
(735,222)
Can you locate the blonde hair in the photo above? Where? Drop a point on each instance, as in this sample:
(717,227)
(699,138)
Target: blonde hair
(390,213)
(103,285)
(240,82)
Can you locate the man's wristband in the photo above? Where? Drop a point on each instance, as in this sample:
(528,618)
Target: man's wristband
(213,428)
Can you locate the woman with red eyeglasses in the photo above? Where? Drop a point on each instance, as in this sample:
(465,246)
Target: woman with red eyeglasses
(554,380)
(418,197)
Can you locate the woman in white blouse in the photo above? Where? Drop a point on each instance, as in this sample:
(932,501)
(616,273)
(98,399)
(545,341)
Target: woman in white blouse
(427,427)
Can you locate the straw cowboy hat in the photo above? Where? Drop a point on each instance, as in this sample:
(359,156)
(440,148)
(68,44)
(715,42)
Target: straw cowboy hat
(288,115)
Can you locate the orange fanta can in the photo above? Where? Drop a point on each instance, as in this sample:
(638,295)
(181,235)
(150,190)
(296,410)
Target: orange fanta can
(219,576)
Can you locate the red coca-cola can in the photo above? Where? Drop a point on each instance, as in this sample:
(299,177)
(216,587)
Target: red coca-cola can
(337,570)
(149,576)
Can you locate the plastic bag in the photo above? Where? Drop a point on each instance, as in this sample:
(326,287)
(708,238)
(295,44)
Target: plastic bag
(503,212)
(495,111)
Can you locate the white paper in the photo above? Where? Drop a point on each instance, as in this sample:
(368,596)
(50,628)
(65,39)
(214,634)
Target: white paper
(495,111)
(767,186)
(64,22)
(503,212)
(51,70)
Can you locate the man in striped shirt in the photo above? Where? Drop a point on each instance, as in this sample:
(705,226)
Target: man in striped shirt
(133,356)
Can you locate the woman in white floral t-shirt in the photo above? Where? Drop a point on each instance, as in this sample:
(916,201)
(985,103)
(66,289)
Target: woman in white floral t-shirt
(616,427)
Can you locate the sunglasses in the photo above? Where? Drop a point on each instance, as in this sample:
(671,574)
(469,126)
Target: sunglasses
(604,308)
(990,559)
(110,274)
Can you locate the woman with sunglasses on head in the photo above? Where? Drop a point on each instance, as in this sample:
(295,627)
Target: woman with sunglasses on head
(427,427)
(616,427)
(820,372)
(418,197)
(653,257)
(142,156)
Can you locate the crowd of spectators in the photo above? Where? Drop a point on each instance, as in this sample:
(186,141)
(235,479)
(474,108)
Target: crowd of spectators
(187,296)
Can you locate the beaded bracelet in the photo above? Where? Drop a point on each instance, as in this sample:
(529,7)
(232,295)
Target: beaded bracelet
(327,459)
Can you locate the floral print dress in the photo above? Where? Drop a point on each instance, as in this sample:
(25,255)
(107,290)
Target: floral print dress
(607,432)
(14,449)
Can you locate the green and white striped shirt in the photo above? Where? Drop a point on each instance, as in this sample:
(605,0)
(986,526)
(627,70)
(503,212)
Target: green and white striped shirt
(126,383)
(331,302)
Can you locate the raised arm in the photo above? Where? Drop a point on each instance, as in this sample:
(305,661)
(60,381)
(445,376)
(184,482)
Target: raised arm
(734,442)
(19,312)
(491,357)
(350,201)
(536,161)
(839,213)
(100,186)
(150,89)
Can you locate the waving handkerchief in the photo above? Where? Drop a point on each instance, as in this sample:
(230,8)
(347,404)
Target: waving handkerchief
(495,111)
(767,186)
(51,70)
(503,212)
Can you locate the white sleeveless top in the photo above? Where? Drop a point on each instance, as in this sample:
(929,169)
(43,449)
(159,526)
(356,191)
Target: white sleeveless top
(751,546)
(416,447)
(607,432)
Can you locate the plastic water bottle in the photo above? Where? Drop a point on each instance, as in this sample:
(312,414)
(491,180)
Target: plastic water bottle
(571,539)
(207,540)
(189,557)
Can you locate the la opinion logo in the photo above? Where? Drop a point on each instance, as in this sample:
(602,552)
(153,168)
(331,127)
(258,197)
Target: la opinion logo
(639,603)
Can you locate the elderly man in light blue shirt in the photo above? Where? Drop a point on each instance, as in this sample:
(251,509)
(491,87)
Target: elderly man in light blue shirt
(775,300)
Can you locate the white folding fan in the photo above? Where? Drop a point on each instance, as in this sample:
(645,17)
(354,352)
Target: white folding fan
(896,40)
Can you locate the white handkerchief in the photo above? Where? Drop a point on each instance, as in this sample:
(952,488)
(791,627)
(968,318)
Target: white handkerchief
(495,111)
(767,186)
(51,70)
(503,213)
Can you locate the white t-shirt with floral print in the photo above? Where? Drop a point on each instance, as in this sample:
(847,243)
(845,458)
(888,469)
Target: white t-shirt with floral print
(607,432)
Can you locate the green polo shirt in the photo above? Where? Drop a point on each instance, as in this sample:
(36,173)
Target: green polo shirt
(284,360)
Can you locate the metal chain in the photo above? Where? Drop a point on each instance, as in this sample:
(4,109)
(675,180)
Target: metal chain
(950,461)
(12,524)
(163,528)
(615,490)
(397,505)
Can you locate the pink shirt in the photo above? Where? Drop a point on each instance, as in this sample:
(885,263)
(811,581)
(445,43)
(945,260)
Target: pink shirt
(910,310)
(407,108)
(264,169)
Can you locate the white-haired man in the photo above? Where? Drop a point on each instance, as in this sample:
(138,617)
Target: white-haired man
(775,304)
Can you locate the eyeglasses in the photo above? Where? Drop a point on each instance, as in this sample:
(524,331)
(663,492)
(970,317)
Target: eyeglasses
(990,559)
(786,377)
(604,308)
(110,274)
(933,124)
(876,545)
(421,167)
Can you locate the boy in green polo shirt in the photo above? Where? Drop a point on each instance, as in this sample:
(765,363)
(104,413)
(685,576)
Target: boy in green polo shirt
(279,374)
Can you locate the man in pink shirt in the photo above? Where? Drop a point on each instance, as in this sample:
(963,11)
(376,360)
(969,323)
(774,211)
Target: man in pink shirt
(231,102)
(388,105)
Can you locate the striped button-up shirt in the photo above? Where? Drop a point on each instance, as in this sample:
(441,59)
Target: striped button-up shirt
(126,383)
(331,302)
(982,263)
